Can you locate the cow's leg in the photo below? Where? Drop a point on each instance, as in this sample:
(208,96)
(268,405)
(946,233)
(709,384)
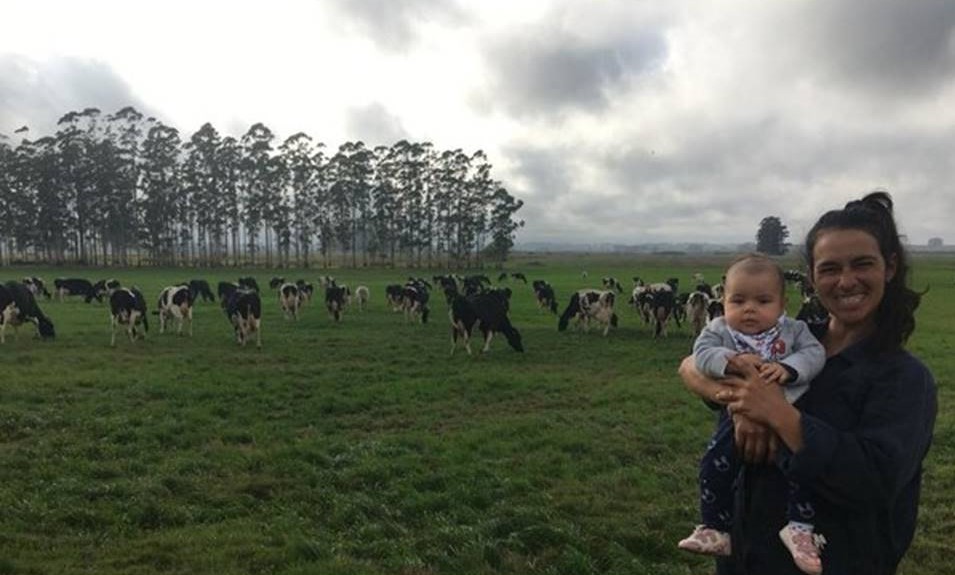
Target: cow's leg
(189,315)
(257,325)
(112,340)
(488,335)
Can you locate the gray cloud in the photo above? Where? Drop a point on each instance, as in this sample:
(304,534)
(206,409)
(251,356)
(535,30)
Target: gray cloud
(374,125)
(392,23)
(38,94)
(544,69)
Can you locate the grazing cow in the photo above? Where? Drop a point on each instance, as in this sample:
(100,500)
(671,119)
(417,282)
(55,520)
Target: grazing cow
(414,300)
(175,302)
(590,304)
(326,281)
(489,312)
(361,296)
(75,286)
(289,300)
(276,281)
(502,277)
(104,288)
(36,286)
(244,309)
(200,288)
(17,306)
(128,307)
(225,289)
(249,283)
(696,306)
(662,304)
(305,291)
(544,293)
(335,300)
(519,277)
(611,283)
(394,293)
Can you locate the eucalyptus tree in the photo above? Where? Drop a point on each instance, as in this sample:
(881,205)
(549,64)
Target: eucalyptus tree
(20,202)
(301,181)
(449,180)
(53,221)
(118,178)
(257,178)
(6,193)
(229,175)
(160,187)
(501,223)
(201,174)
(75,136)
(384,202)
(412,200)
(349,194)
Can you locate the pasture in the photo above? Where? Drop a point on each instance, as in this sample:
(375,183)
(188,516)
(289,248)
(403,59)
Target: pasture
(364,448)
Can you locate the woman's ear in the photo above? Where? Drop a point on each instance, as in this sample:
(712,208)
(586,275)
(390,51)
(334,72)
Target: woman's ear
(891,266)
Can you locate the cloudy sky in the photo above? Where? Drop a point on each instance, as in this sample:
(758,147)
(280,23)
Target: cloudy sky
(622,121)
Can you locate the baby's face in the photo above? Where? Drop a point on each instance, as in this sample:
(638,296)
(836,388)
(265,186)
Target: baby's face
(753,301)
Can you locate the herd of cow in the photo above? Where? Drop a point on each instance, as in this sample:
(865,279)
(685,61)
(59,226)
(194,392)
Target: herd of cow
(473,304)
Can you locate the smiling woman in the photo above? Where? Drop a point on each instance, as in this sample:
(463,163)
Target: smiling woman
(857,439)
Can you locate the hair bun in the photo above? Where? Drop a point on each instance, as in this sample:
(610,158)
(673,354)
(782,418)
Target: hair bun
(878,200)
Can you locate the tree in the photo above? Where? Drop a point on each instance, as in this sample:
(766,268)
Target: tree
(771,237)
(935,243)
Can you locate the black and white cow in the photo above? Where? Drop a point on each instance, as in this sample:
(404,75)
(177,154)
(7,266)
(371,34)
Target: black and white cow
(812,312)
(175,302)
(200,288)
(36,286)
(662,303)
(335,300)
(65,287)
(487,311)
(362,295)
(127,307)
(611,283)
(414,300)
(225,289)
(244,309)
(289,300)
(714,309)
(696,308)
(249,283)
(518,276)
(394,293)
(544,292)
(276,282)
(18,306)
(305,291)
(590,304)
(104,288)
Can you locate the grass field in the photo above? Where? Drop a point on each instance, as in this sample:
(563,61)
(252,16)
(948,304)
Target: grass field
(364,448)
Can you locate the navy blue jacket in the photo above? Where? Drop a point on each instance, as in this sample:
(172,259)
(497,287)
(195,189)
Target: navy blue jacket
(867,424)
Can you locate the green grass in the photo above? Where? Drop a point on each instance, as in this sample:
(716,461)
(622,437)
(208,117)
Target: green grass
(364,448)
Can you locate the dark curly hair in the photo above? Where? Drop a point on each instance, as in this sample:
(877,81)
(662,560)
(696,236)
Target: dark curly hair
(895,316)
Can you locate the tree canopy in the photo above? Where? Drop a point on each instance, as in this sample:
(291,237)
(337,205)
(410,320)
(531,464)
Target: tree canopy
(771,236)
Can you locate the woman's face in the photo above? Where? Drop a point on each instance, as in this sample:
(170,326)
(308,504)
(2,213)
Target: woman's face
(849,274)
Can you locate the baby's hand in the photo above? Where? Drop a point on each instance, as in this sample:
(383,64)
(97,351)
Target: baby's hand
(774,373)
(736,362)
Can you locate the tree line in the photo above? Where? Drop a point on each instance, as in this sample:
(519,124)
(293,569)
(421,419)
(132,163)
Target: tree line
(121,189)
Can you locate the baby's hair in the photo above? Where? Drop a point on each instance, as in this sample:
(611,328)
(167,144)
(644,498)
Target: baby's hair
(755,263)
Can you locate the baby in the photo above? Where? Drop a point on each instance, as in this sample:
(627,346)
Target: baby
(755,329)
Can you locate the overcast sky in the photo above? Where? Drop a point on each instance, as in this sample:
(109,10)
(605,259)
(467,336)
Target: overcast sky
(614,120)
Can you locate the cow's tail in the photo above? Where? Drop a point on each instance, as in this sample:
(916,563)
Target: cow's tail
(572,308)
(513,337)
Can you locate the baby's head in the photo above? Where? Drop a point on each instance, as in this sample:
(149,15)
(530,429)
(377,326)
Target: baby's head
(754,295)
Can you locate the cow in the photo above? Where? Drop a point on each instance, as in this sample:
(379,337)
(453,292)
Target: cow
(696,308)
(611,283)
(587,305)
(487,311)
(662,303)
(175,302)
(36,287)
(276,281)
(200,288)
(544,293)
(518,276)
(75,286)
(289,300)
(104,288)
(249,283)
(414,300)
(502,277)
(305,291)
(394,293)
(714,309)
(335,300)
(127,307)
(361,296)
(225,289)
(18,306)
(243,307)
(812,312)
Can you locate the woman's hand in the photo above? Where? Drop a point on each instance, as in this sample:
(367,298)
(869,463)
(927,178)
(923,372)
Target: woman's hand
(751,396)
(756,443)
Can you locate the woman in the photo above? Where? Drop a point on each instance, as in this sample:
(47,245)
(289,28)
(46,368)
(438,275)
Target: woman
(858,437)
